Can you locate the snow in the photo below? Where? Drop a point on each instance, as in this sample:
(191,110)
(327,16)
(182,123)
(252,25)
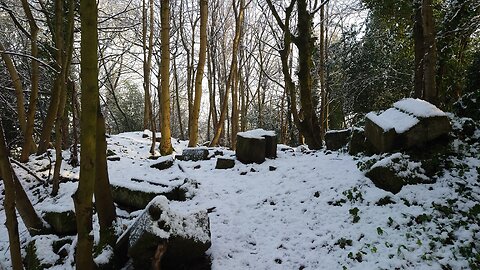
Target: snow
(393,118)
(419,108)
(294,217)
(256,133)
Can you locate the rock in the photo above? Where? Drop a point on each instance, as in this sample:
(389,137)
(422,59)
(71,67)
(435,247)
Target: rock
(255,145)
(337,139)
(62,222)
(113,158)
(393,172)
(358,143)
(218,153)
(225,163)
(42,251)
(164,164)
(110,153)
(411,122)
(272,168)
(138,199)
(186,237)
(195,154)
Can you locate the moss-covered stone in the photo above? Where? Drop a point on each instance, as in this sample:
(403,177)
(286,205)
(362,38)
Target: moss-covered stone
(138,199)
(250,150)
(337,139)
(225,163)
(164,164)
(62,222)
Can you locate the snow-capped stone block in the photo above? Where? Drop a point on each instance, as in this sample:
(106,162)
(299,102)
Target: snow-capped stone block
(411,122)
(163,164)
(62,221)
(186,237)
(254,146)
(195,154)
(225,163)
(135,198)
(358,142)
(336,139)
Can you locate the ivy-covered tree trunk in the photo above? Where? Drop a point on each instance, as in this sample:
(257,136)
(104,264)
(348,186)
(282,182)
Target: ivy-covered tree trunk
(419,49)
(165,141)
(430,57)
(309,126)
(9,203)
(88,124)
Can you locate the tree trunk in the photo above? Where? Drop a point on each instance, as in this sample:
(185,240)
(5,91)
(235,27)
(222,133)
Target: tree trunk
(103,195)
(9,203)
(239,17)
(309,126)
(419,48)
(17,85)
(430,56)
(147,56)
(29,146)
(165,142)
(88,123)
(321,74)
(177,98)
(59,85)
(193,129)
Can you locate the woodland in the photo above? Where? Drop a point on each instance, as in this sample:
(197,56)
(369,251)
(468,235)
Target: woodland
(82,81)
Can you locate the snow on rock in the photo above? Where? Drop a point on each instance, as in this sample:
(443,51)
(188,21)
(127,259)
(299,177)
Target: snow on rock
(418,107)
(393,118)
(187,237)
(256,133)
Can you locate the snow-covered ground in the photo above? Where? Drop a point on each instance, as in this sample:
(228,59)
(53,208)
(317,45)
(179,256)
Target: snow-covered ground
(303,210)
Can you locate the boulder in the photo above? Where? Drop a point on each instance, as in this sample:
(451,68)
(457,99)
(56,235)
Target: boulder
(195,154)
(225,163)
(186,237)
(62,221)
(45,251)
(411,122)
(391,173)
(136,199)
(255,145)
(164,164)
(337,139)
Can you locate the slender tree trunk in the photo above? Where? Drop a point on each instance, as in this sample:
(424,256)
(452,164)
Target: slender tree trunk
(430,56)
(177,98)
(17,85)
(9,203)
(59,85)
(165,142)
(321,74)
(193,129)
(88,123)
(103,195)
(74,153)
(29,146)
(146,68)
(239,17)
